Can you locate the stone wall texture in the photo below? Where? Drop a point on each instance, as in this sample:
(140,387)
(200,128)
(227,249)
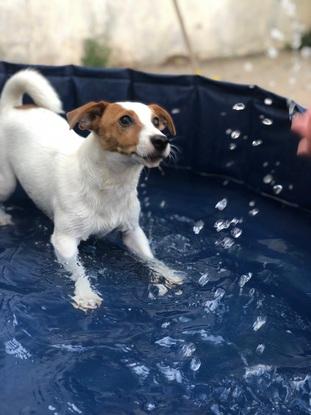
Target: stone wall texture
(144,31)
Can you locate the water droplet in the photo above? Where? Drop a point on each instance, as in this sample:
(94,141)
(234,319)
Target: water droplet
(272,53)
(291,187)
(232,146)
(260,348)
(222,224)
(268,101)
(235,134)
(276,34)
(187,350)
(257,143)
(228,131)
(265,164)
(150,406)
(162,204)
(253,212)
(277,189)
(291,108)
(195,364)
(226,242)
(267,121)
(223,114)
(198,226)
(277,163)
(222,204)
(203,280)
(267,179)
(236,232)
(175,111)
(248,66)
(260,321)
(252,203)
(239,106)
(244,279)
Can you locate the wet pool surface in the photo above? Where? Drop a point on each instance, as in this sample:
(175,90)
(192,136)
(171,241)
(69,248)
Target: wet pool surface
(235,338)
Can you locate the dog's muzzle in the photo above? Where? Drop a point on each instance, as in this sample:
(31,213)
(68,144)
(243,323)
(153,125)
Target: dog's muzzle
(159,142)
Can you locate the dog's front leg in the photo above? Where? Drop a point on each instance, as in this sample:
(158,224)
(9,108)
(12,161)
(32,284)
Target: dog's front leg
(137,242)
(66,249)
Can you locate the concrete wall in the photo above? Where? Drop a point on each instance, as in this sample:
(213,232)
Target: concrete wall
(144,31)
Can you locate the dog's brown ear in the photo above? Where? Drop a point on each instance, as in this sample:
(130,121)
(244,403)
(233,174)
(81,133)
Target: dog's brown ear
(88,116)
(164,117)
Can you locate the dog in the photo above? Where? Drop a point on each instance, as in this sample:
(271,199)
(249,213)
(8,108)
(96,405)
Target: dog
(86,186)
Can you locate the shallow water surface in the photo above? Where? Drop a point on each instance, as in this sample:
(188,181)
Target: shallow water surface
(235,338)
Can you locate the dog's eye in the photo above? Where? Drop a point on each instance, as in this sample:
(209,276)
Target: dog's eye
(156,122)
(126,121)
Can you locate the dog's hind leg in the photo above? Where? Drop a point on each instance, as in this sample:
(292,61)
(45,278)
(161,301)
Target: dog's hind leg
(7,187)
(66,249)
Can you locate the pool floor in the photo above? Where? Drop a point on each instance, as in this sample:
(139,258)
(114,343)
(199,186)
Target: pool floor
(235,338)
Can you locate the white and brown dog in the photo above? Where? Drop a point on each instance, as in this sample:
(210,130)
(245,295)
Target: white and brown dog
(86,186)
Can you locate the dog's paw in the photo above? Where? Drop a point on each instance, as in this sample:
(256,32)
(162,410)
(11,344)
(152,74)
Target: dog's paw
(5,219)
(85,298)
(171,277)
(87,301)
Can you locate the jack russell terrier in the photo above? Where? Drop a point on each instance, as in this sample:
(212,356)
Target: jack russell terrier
(86,186)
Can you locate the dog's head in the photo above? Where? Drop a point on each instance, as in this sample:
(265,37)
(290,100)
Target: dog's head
(129,128)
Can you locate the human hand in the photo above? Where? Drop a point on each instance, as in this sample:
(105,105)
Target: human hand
(301,125)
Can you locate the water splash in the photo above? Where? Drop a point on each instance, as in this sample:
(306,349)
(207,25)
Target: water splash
(277,189)
(195,364)
(267,121)
(203,280)
(15,348)
(259,323)
(222,204)
(239,106)
(235,134)
(198,226)
(244,279)
(256,143)
(188,349)
(175,111)
(236,232)
(260,348)
(267,179)
(253,212)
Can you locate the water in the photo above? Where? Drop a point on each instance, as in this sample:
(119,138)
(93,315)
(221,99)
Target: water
(222,204)
(235,134)
(277,189)
(239,106)
(268,101)
(267,121)
(267,179)
(234,338)
(256,143)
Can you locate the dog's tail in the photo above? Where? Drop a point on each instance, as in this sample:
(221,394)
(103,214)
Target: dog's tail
(29,82)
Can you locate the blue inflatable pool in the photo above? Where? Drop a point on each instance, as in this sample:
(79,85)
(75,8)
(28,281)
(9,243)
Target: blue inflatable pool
(233,213)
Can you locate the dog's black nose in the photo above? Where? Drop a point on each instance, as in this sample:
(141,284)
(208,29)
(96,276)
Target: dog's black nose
(159,142)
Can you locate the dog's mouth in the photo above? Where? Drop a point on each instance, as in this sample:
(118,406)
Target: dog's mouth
(152,160)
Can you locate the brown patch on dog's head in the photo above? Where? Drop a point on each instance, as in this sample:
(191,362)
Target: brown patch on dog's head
(165,120)
(117,128)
